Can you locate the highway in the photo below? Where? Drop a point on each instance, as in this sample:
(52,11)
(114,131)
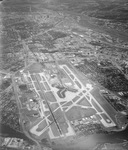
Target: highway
(19,107)
(81,88)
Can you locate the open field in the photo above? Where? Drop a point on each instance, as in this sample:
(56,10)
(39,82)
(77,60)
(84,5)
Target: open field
(81,100)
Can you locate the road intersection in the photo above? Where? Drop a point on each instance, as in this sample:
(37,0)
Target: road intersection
(56,112)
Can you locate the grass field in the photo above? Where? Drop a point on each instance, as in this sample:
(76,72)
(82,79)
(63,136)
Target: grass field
(84,102)
(42,125)
(77,113)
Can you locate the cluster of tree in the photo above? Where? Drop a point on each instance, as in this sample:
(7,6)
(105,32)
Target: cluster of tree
(9,110)
(109,77)
(9,53)
(122,120)
(90,128)
(12,63)
(57,34)
(114,102)
(113,82)
(5,84)
(45,40)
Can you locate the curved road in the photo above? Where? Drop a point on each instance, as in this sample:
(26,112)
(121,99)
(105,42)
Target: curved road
(19,107)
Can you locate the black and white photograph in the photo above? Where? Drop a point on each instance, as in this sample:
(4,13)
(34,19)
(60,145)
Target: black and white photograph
(63,74)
